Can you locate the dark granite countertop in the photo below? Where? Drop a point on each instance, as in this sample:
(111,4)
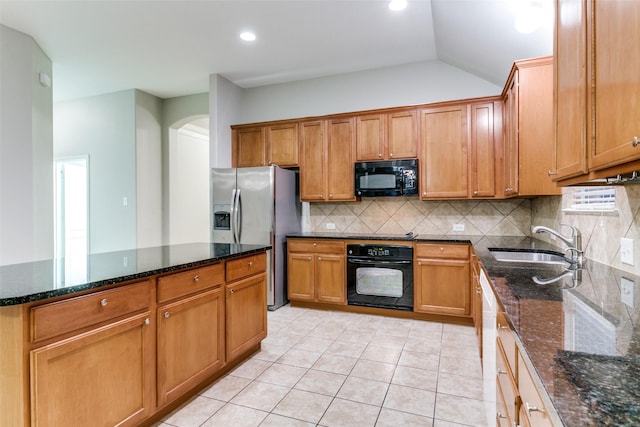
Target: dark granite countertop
(581,333)
(39,280)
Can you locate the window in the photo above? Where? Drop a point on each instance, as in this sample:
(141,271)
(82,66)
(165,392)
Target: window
(590,199)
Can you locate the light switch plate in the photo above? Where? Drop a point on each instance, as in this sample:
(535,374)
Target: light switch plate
(626,251)
(331,226)
(626,291)
(458,227)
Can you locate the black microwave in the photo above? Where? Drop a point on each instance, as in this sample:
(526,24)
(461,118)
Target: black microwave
(387,178)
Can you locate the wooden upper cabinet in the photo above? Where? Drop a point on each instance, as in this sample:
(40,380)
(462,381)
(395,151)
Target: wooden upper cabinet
(402,131)
(597,86)
(570,74)
(386,136)
(482,167)
(528,129)
(340,173)
(313,147)
(615,73)
(371,137)
(249,147)
(444,157)
(510,129)
(282,145)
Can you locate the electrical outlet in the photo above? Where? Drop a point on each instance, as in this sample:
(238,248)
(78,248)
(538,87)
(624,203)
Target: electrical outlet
(125,261)
(626,251)
(626,291)
(331,226)
(458,227)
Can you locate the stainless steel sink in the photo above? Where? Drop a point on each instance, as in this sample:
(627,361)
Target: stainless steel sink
(529,256)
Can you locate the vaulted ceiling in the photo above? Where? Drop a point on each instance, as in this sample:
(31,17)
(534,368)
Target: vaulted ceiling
(170,47)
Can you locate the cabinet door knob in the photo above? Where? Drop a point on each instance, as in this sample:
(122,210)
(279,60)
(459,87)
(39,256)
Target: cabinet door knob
(104,302)
(475,193)
(250,264)
(315,244)
(331,196)
(379,155)
(319,258)
(196,278)
(390,154)
(635,141)
(552,173)
(441,249)
(232,291)
(147,321)
(167,314)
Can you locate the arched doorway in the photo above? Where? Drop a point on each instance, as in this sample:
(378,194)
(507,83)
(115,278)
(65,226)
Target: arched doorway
(189,181)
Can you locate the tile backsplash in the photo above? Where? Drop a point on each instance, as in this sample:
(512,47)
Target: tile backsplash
(400,215)
(601,233)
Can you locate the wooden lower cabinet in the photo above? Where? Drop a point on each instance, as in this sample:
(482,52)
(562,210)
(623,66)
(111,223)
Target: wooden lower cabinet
(132,352)
(441,279)
(246,314)
(317,271)
(100,378)
(190,347)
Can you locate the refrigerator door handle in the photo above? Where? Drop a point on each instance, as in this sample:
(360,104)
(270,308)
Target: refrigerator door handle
(238,222)
(232,214)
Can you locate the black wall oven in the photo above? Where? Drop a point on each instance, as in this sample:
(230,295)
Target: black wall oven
(380,276)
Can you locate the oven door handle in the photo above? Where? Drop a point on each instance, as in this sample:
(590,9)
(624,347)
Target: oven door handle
(370,261)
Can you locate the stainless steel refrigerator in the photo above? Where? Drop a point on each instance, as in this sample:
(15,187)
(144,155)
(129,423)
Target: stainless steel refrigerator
(257,205)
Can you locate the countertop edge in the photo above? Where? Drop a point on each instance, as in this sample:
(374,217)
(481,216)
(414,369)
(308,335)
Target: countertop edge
(54,293)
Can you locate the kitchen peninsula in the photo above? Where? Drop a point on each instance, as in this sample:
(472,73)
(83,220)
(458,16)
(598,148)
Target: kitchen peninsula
(139,335)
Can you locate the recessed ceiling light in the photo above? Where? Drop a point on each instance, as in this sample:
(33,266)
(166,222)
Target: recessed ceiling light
(248,36)
(397,5)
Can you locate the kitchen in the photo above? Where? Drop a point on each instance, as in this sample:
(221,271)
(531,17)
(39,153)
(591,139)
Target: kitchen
(509,217)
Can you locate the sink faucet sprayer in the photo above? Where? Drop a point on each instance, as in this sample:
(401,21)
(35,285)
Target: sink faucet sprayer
(574,242)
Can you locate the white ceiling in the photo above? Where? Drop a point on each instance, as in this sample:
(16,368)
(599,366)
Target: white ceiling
(170,47)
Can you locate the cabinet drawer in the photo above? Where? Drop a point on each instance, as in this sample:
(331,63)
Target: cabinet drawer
(188,282)
(435,250)
(60,317)
(317,246)
(506,339)
(532,406)
(247,266)
(506,383)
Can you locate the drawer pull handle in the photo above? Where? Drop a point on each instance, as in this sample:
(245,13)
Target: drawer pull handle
(501,372)
(501,415)
(319,258)
(502,326)
(636,141)
(532,408)
(167,314)
(441,249)
(147,321)
(104,302)
(196,278)
(250,264)
(315,244)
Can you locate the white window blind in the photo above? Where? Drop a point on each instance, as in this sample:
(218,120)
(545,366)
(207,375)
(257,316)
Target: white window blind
(592,199)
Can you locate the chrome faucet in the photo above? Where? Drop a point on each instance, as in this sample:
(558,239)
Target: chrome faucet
(574,242)
(576,278)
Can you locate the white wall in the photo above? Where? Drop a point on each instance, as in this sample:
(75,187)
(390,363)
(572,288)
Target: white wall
(225,109)
(104,128)
(417,83)
(26,159)
(148,140)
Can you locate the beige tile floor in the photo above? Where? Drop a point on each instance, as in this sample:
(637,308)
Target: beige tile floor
(327,368)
